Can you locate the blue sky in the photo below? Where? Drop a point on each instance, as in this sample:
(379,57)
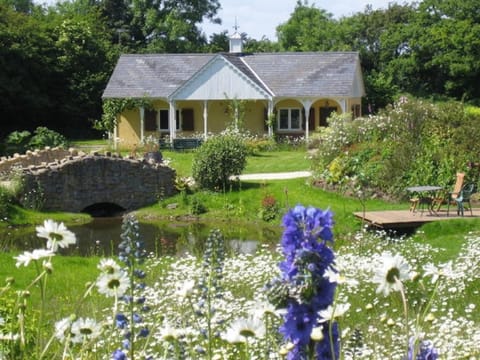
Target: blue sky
(261,17)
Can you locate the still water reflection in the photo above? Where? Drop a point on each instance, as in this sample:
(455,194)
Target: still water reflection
(101,237)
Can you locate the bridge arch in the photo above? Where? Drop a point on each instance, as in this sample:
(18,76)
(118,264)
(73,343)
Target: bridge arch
(104,209)
(77,183)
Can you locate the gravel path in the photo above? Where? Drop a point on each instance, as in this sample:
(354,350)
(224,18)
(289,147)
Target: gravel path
(276,176)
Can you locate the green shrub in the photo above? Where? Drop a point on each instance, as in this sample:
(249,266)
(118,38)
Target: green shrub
(256,145)
(217,159)
(197,206)
(46,137)
(17,142)
(21,141)
(413,142)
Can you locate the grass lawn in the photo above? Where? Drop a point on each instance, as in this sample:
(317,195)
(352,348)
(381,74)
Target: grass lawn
(242,202)
(264,162)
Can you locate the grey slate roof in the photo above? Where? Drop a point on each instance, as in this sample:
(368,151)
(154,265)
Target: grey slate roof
(152,75)
(306,74)
(285,74)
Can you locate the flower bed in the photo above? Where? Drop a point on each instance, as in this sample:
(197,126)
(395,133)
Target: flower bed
(376,298)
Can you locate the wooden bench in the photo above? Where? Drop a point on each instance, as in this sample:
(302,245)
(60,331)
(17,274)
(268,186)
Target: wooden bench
(186,144)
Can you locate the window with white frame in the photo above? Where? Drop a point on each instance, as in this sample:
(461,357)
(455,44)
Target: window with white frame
(289,119)
(164,119)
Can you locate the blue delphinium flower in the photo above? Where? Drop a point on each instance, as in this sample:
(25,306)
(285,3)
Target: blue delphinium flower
(119,355)
(307,234)
(425,351)
(132,254)
(210,288)
(323,349)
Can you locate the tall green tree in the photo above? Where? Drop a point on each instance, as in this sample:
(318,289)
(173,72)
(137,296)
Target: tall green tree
(159,25)
(219,42)
(260,46)
(28,73)
(445,49)
(308,29)
(22,6)
(55,64)
(86,59)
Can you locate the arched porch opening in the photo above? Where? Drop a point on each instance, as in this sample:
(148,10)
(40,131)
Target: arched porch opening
(324,108)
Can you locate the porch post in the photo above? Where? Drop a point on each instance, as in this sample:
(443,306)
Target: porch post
(142,123)
(269,117)
(172,120)
(115,135)
(205,119)
(307,104)
(343,105)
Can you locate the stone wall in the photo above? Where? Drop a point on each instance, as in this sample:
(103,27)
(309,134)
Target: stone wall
(76,182)
(37,158)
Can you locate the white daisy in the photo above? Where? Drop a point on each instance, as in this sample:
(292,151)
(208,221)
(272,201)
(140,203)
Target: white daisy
(56,234)
(243,328)
(331,312)
(186,289)
(169,333)
(25,258)
(62,328)
(115,284)
(264,308)
(108,266)
(335,276)
(443,270)
(85,329)
(391,272)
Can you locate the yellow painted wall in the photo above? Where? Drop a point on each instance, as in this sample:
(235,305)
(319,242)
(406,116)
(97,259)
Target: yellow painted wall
(288,104)
(218,118)
(255,117)
(128,128)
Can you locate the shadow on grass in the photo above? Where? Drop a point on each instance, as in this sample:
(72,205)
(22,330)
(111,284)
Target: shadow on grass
(239,186)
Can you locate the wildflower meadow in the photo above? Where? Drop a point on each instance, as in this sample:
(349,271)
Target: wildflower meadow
(376,297)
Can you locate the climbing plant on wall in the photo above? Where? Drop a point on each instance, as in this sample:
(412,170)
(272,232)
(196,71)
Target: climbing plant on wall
(113,107)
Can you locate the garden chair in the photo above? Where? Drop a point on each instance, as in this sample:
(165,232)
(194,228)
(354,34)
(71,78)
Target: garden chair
(449,198)
(464,197)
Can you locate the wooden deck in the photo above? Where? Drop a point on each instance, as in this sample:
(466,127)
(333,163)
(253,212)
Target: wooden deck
(397,219)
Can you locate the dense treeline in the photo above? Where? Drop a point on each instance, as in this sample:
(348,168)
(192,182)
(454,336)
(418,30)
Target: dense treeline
(56,60)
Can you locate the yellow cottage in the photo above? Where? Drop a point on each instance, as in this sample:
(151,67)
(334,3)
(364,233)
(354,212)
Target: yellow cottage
(191,95)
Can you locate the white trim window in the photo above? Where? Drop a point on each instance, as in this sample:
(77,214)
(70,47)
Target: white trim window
(164,122)
(289,119)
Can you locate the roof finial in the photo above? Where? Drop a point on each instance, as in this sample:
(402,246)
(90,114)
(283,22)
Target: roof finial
(236,25)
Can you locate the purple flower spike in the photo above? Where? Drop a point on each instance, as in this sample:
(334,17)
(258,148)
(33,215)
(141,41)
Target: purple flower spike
(307,231)
(425,351)
(119,355)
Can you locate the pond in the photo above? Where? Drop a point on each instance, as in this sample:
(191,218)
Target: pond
(101,237)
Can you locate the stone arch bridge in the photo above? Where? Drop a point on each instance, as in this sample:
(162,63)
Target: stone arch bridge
(78,183)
